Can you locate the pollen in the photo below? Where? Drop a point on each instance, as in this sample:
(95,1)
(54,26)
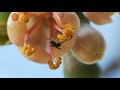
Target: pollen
(53,66)
(27,50)
(14,17)
(22,18)
(68,25)
(68,29)
(63,38)
(67,33)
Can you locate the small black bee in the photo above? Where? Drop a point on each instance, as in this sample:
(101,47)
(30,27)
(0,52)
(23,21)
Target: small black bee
(55,43)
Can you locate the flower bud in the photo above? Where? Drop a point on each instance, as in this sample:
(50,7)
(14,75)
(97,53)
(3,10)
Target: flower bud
(90,45)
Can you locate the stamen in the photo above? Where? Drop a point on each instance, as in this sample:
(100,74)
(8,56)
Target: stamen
(68,25)
(67,33)
(56,65)
(63,38)
(57,19)
(68,29)
(51,34)
(58,59)
(38,22)
(22,18)
(27,50)
(14,16)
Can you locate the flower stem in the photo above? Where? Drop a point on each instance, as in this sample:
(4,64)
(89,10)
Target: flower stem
(83,19)
(74,69)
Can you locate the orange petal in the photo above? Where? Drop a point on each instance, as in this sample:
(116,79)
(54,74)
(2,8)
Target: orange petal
(16,31)
(99,17)
(38,39)
(72,18)
(37,13)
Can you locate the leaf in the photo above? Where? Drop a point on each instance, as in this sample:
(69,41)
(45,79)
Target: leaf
(4,40)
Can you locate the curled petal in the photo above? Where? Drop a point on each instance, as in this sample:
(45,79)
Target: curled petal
(66,17)
(90,45)
(99,17)
(44,14)
(37,13)
(16,31)
(69,17)
(37,39)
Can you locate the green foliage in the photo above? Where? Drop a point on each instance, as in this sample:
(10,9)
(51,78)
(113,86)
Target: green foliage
(83,19)
(4,40)
(74,69)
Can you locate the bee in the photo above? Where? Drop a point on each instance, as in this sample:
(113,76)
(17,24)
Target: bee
(55,43)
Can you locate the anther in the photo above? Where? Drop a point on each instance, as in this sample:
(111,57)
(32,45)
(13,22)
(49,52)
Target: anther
(56,65)
(22,18)
(14,17)
(27,50)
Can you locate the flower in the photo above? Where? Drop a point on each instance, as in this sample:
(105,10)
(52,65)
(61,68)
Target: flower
(44,37)
(99,18)
(90,45)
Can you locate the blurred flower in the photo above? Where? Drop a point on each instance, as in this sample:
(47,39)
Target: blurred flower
(44,37)
(99,17)
(89,46)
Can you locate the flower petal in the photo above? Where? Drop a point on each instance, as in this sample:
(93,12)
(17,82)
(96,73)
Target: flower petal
(69,17)
(72,18)
(37,13)
(37,39)
(16,31)
(90,45)
(99,17)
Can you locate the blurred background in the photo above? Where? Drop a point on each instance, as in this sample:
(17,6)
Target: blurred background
(14,65)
